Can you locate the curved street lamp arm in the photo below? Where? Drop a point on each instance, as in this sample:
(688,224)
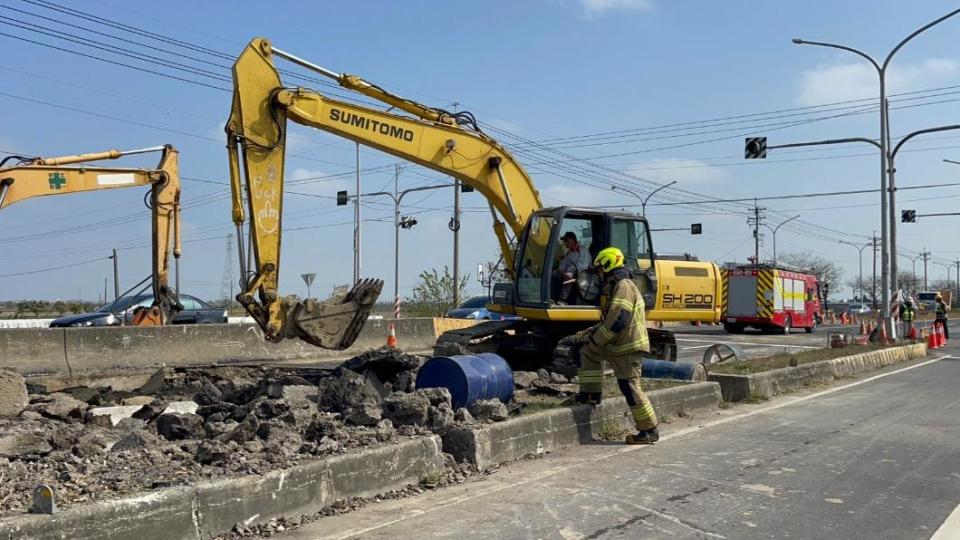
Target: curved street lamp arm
(841,47)
(827,141)
(915,33)
(782,223)
(625,190)
(656,190)
(921,132)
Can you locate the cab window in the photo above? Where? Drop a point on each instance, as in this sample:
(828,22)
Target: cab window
(533,260)
(631,238)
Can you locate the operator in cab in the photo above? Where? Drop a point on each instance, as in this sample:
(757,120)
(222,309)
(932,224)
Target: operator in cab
(574,261)
(620,338)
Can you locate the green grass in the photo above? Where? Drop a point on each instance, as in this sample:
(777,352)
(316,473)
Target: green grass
(781,360)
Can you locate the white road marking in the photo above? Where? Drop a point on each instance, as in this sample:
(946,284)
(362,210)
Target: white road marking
(950,528)
(711,342)
(482,492)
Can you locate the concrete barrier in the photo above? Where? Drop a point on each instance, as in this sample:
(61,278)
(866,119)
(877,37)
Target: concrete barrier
(214,507)
(81,351)
(767,384)
(559,428)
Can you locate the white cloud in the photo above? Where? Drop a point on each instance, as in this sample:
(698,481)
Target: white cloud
(315,182)
(849,81)
(594,7)
(684,171)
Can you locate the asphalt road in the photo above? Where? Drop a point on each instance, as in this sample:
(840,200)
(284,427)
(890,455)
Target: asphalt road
(874,457)
(692,341)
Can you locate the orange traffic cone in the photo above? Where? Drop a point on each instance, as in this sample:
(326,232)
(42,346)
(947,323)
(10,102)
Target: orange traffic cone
(931,339)
(912,335)
(941,336)
(883,335)
(392,337)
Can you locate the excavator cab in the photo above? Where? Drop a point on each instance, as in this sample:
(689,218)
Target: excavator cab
(541,283)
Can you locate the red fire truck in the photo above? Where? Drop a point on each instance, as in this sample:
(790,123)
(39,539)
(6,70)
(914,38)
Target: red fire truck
(769,298)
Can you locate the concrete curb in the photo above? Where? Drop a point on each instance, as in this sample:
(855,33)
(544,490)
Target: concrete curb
(552,430)
(777,381)
(211,508)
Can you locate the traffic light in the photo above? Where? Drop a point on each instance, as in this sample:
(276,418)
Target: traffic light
(342,198)
(755,148)
(908,216)
(696,228)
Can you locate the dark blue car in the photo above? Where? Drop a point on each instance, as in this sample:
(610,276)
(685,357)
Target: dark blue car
(195,311)
(475,308)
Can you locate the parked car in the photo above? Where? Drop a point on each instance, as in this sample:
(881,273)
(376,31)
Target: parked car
(195,311)
(476,308)
(859,309)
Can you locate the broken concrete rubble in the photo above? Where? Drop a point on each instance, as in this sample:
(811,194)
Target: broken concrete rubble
(176,427)
(111,415)
(489,410)
(59,406)
(13,393)
(406,409)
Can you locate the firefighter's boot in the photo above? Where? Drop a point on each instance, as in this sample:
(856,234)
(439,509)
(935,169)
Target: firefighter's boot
(588,398)
(648,436)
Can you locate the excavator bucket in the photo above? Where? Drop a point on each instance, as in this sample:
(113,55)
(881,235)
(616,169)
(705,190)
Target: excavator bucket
(334,323)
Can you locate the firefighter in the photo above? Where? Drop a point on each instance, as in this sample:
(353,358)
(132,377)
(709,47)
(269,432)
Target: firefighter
(907,314)
(619,338)
(941,316)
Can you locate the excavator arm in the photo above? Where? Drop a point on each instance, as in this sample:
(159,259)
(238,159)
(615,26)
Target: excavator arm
(39,177)
(436,139)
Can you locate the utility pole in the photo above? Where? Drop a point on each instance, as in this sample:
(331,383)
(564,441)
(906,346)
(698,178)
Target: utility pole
(455,227)
(357,272)
(873,289)
(116,277)
(956,294)
(926,257)
(104,291)
(756,220)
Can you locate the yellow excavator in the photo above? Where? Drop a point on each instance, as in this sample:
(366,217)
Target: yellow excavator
(453,144)
(38,177)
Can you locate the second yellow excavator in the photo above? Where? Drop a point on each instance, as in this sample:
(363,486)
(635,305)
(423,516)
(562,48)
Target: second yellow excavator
(454,144)
(40,177)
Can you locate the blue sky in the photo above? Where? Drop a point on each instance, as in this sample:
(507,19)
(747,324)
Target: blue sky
(539,70)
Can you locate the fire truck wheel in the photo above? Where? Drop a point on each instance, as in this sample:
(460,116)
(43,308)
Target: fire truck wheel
(733,328)
(812,328)
(787,326)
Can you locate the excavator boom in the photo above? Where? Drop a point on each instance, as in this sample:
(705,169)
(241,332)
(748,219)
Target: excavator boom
(39,177)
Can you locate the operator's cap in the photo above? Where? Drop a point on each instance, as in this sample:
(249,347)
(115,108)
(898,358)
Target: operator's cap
(569,236)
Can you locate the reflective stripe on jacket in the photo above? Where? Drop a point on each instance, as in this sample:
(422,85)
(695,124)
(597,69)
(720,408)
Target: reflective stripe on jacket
(622,328)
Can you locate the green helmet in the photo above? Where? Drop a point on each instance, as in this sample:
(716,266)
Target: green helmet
(609,259)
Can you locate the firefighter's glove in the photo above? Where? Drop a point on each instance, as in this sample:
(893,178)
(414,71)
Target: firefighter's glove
(583,336)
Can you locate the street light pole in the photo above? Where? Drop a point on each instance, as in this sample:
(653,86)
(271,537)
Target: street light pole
(887,233)
(859,249)
(643,200)
(397,199)
(774,230)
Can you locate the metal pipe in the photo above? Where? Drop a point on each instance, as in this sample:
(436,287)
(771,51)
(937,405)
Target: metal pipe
(4,187)
(307,64)
(456,243)
(396,242)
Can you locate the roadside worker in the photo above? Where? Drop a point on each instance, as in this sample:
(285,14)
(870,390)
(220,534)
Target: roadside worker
(575,260)
(941,316)
(619,338)
(907,315)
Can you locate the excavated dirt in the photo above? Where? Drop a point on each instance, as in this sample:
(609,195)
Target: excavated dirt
(190,424)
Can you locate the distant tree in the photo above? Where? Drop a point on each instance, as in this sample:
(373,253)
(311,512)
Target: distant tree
(22,306)
(434,293)
(75,306)
(59,307)
(827,271)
